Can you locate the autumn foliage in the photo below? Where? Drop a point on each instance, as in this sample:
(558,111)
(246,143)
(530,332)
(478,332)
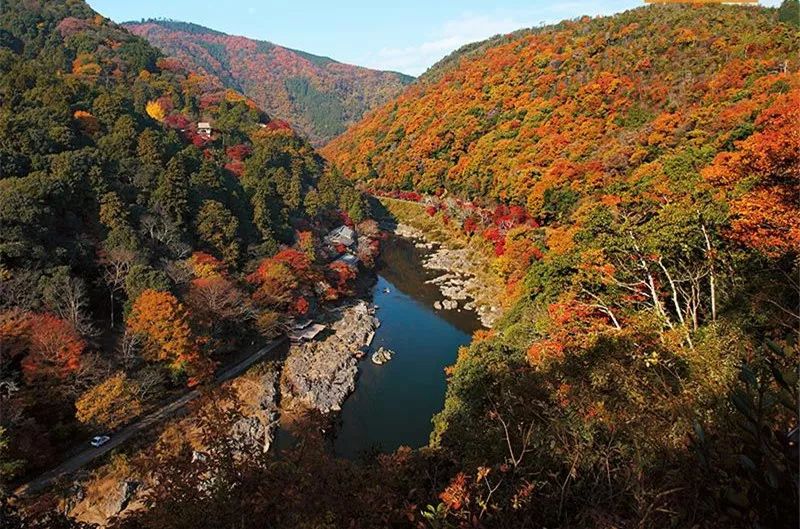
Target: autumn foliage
(762,178)
(311,94)
(110,404)
(53,349)
(164,323)
(541,119)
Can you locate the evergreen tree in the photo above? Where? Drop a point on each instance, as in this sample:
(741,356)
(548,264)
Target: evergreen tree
(172,194)
(789,12)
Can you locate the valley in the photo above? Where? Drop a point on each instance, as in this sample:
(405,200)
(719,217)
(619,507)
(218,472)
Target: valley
(550,282)
(318,96)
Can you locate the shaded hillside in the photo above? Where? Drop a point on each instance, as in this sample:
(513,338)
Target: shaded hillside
(127,233)
(320,97)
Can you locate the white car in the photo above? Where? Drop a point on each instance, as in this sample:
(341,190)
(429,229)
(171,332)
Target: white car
(99,440)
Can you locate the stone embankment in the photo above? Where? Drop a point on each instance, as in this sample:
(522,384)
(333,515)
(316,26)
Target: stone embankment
(460,286)
(321,374)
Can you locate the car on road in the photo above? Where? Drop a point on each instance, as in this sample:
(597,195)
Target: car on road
(99,440)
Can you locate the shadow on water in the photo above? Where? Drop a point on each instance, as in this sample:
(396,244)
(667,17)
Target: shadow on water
(401,265)
(393,404)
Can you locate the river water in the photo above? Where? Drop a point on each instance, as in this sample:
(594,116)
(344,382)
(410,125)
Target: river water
(393,403)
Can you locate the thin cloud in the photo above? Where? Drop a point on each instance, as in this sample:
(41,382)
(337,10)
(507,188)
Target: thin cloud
(451,35)
(473,26)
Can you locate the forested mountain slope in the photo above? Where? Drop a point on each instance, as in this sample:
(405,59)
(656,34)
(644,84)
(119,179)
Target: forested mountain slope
(127,232)
(318,96)
(635,178)
(638,178)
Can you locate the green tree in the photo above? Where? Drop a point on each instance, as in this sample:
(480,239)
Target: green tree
(172,193)
(356,211)
(312,203)
(150,148)
(142,277)
(216,228)
(789,12)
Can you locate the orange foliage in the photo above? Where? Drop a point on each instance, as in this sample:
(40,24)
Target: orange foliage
(297,261)
(275,283)
(482,335)
(529,114)
(762,176)
(300,306)
(87,121)
(54,348)
(543,350)
(164,323)
(14,330)
(84,65)
(341,275)
(456,495)
(204,265)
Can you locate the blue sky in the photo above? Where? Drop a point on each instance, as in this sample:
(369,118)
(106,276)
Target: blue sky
(406,36)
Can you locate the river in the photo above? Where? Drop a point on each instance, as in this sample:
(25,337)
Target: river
(393,403)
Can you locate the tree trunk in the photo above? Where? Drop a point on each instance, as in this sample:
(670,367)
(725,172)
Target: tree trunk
(711,277)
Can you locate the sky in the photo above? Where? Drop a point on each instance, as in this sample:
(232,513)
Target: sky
(406,36)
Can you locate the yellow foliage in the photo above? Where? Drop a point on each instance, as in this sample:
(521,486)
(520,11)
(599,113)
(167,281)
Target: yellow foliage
(155,110)
(560,240)
(109,404)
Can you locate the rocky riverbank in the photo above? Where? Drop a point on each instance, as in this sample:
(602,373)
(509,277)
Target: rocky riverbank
(461,288)
(319,375)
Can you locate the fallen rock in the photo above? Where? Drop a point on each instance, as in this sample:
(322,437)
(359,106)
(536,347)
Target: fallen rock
(382,355)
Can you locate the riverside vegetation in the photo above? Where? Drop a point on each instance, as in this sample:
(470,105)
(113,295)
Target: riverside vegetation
(632,181)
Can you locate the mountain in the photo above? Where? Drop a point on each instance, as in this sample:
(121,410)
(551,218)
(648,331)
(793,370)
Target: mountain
(635,180)
(320,97)
(495,117)
(631,180)
(120,216)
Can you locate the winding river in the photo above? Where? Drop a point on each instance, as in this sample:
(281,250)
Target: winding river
(393,403)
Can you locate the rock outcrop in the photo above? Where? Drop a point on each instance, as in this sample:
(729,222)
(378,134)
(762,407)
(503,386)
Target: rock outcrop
(382,355)
(257,392)
(458,282)
(321,374)
(111,492)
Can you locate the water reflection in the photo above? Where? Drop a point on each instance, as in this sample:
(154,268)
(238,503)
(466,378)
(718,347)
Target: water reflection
(393,404)
(401,265)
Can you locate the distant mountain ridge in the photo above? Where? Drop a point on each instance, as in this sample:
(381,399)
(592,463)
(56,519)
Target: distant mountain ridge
(318,96)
